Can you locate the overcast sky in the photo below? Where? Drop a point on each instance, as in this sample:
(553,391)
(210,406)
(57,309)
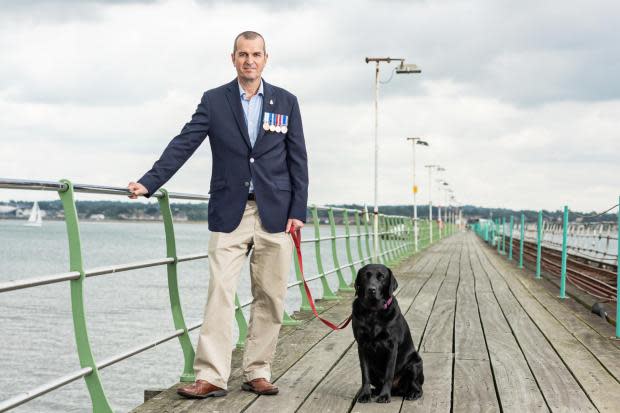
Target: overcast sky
(520,101)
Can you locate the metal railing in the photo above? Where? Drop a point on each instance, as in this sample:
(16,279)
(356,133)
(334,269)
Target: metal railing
(594,280)
(396,242)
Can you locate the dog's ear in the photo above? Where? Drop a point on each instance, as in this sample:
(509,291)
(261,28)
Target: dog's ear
(393,283)
(358,284)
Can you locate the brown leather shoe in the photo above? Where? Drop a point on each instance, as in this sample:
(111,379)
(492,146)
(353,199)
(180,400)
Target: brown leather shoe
(201,389)
(260,386)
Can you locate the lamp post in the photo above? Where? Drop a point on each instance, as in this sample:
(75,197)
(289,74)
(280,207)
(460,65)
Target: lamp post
(439,182)
(430,201)
(451,209)
(440,175)
(401,69)
(441,220)
(414,142)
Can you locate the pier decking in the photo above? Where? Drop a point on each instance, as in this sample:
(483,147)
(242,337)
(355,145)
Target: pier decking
(492,339)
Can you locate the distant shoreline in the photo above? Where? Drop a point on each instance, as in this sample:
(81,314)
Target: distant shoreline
(154,221)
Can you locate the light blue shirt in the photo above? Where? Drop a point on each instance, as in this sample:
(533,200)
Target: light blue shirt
(252,109)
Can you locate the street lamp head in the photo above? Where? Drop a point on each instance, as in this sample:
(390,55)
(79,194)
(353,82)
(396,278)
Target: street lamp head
(418,141)
(405,68)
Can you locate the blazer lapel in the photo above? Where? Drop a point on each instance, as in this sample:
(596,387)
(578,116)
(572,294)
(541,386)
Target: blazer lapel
(232,95)
(269,102)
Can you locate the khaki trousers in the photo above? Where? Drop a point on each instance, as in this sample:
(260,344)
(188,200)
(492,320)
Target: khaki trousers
(270,266)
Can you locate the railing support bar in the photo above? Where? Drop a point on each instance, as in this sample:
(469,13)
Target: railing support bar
(93,380)
(173,288)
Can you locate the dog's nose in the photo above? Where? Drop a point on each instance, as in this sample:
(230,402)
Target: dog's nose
(372,290)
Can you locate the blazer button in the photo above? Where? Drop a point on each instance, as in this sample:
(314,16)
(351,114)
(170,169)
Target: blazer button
(246,183)
(251,160)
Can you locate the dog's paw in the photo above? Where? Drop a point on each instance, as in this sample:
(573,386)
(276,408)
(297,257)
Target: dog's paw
(364,398)
(414,395)
(384,398)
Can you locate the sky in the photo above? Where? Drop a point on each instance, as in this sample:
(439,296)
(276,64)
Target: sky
(519,101)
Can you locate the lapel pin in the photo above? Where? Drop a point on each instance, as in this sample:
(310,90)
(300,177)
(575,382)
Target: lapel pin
(271,102)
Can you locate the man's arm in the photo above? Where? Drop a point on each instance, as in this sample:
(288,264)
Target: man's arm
(178,150)
(297,160)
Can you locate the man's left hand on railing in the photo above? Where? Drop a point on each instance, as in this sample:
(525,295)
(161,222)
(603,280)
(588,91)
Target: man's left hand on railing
(293,222)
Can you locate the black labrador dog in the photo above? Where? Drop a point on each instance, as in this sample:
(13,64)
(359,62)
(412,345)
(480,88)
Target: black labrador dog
(388,358)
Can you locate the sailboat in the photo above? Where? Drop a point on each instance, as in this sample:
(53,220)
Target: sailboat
(36,218)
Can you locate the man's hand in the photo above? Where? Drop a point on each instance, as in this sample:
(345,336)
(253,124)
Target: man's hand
(136,190)
(294,222)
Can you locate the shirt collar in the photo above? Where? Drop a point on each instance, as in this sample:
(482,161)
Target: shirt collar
(242,92)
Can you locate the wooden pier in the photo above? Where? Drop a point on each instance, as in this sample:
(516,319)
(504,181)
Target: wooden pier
(492,339)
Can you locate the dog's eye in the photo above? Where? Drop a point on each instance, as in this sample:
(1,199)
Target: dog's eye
(380,276)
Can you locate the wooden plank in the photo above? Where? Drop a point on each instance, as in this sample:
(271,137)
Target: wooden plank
(482,282)
(473,384)
(560,389)
(336,393)
(418,317)
(437,386)
(468,335)
(601,387)
(438,336)
(474,389)
(516,386)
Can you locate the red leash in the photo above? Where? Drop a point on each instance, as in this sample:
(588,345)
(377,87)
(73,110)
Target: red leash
(296,235)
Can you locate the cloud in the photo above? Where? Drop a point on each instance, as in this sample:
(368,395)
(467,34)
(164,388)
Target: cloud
(520,102)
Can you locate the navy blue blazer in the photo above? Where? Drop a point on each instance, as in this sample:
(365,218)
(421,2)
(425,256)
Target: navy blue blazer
(277,164)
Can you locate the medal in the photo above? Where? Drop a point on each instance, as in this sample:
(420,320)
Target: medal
(284,128)
(266,121)
(278,122)
(272,121)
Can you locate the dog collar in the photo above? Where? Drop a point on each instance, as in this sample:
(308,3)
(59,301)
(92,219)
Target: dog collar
(387,303)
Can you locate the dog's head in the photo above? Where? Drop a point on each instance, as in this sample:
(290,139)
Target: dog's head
(374,285)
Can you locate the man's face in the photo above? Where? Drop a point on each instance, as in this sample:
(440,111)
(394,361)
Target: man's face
(249,58)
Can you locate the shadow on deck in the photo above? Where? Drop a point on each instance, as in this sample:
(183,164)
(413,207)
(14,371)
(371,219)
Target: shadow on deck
(492,339)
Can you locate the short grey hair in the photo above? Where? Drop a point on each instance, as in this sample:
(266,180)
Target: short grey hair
(249,35)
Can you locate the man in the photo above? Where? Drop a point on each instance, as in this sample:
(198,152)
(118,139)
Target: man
(259,189)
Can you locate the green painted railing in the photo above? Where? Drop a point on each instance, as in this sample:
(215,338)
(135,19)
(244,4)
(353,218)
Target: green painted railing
(396,243)
(483,227)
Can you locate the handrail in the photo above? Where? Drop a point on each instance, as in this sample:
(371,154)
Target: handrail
(93,272)
(36,281)
(43,389)
(88,188)
(396,243)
